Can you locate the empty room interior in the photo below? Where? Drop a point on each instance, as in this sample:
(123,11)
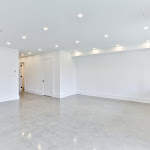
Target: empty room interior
(75,75)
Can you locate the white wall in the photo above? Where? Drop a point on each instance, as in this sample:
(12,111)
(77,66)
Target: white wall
(123,75)
(9,79)
(33,73)
(64,74)
(67,75)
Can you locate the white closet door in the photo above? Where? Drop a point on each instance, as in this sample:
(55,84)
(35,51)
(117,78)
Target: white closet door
(47,77)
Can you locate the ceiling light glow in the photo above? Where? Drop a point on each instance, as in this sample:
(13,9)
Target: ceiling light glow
(24,37)
(29,53)
(40,49)
(56,46)
(45,28)
(80,15)
(77,42)
(95,51)
(8,43)
(118,45)
(147,44)
(106,36)
(145,28)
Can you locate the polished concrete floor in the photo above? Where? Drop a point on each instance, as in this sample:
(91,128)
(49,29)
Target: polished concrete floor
(73,123)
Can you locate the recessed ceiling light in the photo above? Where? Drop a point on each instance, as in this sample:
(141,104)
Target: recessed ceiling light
(106,36)
(29,53)
(145,28)
(80,15)
(56,46)
(40,49)
(45,28)
(24,37)
(22,54)
(77,42)
(118,45)
(8,43)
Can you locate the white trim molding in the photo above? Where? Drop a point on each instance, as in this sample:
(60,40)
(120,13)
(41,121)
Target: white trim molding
(66,94)
(124,98)
(33,92)
(9,98)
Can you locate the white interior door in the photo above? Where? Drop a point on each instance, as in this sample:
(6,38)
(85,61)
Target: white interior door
(47,77)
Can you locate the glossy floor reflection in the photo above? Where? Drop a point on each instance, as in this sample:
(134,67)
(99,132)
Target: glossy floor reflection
(73,123)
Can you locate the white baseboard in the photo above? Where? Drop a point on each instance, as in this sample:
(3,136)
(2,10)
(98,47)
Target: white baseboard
(40,93)
(9,98)
(56,95)
(33,92)
(66,94)
(133,99)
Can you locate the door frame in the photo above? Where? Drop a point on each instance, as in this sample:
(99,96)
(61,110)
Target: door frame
(24,75)
(43,75)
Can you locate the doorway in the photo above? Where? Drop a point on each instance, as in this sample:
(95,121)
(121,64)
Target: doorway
(47,77)
(21,77)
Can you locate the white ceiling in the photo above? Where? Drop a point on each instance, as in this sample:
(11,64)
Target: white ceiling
(122,20)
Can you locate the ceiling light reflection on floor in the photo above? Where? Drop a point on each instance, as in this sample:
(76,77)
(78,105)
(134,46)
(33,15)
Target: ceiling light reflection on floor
(22,134)
(29,135)
(39,147)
